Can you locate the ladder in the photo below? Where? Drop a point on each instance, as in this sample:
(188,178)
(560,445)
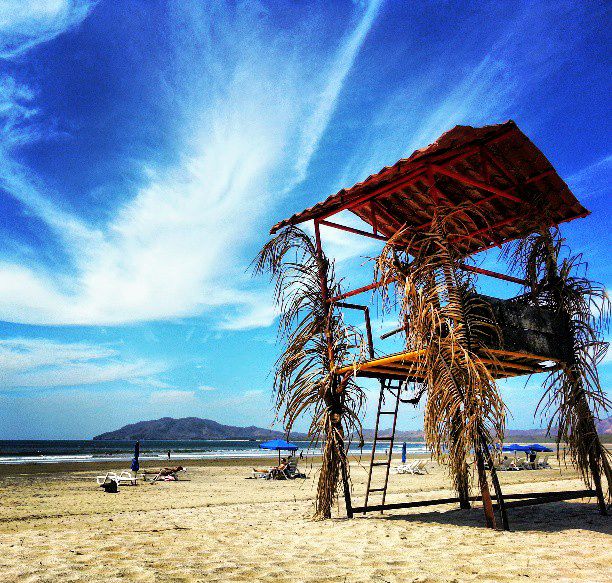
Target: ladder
(386,390)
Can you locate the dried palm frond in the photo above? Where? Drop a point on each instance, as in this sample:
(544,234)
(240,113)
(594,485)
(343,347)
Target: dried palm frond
(573,397)
(447,325)
(316,339)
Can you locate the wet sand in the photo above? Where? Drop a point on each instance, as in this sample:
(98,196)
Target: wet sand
(218,525)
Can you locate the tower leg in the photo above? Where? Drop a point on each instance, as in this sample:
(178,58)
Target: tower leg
(347,489)
(498,491)
(601,501)
(487,503)
(463,490)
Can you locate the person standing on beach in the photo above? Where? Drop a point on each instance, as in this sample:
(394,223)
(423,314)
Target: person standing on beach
(168,454)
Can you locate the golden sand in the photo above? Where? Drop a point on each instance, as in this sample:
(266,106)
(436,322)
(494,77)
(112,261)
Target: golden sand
(57,525)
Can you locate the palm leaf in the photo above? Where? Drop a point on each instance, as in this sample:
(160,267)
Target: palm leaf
(315,340)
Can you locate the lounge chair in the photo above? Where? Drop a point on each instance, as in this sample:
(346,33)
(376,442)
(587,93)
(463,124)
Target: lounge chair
(543,464)
(422,466)
(508,465)
(413,467)
(124,478)
(291,471)
(262,474)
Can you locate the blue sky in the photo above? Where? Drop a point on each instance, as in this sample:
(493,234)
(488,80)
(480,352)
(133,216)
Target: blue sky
(147,147)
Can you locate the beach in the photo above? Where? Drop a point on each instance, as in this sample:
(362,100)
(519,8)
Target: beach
(216,524)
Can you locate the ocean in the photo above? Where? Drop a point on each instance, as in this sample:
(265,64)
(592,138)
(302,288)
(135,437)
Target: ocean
(57,451)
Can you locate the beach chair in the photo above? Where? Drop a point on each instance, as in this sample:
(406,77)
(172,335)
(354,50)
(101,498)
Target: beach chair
(263,475)
(124,478)
(291,471)
(543,463)
(422,466)
(412,467)
(508,465)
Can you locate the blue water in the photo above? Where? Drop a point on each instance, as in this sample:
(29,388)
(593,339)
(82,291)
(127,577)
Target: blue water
(55,451)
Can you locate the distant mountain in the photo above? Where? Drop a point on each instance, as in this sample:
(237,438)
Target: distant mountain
(190,428)
(604,428)
(196,428)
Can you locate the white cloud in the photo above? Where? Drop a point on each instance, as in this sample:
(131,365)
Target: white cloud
(25,24)
(174,250)
(150,382)
(317,122)
(172,396)
(206,388)
(341,245)
(592,181)
(450,92)
(259,314)
(41,363)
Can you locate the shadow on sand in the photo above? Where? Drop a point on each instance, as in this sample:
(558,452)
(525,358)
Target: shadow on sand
(553,517)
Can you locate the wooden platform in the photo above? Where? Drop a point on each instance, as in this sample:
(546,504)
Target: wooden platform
(401,366)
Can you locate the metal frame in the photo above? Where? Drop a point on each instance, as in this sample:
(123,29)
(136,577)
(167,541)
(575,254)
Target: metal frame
(438,165)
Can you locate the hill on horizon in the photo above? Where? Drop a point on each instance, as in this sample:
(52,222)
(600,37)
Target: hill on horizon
(604,428)
(168,428)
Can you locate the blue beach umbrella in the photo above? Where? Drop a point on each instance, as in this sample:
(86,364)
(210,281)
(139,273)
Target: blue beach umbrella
(516,447)
(278,445)
(537,447)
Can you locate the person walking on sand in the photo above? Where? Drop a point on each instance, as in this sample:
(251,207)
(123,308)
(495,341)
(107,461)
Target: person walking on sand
(168,454)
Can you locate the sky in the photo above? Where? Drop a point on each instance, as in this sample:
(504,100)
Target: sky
(147,147)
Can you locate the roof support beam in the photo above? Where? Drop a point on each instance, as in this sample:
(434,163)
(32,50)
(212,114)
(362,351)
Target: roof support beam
(379,192)
(475,183)
(474,234)
(361,290)
(494,274)
(353,230)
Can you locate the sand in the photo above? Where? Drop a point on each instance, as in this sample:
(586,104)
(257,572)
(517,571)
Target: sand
(57,525)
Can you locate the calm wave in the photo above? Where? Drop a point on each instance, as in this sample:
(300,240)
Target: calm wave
(56,451)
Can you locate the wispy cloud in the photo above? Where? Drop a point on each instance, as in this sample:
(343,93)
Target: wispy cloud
(172,396)
(174,250)
(319,119)
(594,180)
(150,382)
(23,25)
(454,91)
(42,363)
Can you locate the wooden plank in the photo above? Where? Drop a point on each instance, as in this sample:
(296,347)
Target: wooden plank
(517,500)
(520,355)
(553,497)
(503,364)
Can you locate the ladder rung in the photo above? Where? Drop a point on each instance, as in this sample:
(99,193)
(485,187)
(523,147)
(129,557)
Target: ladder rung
(380,463)
(376,489)
(387,413)
(385,438)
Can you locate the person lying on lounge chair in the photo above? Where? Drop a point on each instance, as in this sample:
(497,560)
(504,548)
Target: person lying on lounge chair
(272,472)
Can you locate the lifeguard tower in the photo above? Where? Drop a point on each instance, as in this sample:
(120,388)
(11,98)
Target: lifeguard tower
(498,187)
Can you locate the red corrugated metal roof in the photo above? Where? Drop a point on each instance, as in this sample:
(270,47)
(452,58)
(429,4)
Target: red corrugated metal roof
(520,191)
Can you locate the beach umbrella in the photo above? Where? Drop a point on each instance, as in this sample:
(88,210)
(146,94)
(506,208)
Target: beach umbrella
(135,463)
(278,445)
(516,447)
(404,452)
(537,447)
